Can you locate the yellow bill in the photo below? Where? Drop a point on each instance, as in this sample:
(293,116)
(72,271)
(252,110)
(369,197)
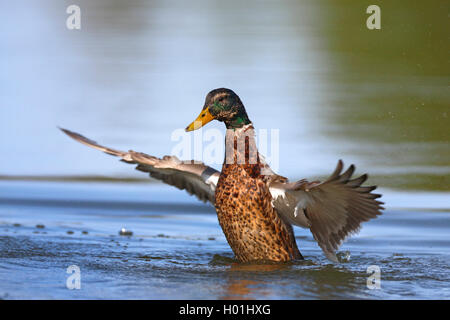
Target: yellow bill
(203,118)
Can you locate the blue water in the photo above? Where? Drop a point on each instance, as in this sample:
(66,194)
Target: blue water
(178,251)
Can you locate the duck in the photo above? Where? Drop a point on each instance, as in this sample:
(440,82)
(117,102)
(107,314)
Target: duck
(257,208)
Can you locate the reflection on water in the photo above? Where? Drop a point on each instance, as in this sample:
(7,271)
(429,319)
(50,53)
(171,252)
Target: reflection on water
(242,289)
(137,70)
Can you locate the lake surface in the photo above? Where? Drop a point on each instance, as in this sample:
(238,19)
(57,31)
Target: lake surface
(138,71)
(178,251)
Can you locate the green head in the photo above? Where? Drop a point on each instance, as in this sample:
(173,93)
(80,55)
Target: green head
(223,105)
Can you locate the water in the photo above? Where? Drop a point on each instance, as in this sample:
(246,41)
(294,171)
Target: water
(138,70)
(178,251)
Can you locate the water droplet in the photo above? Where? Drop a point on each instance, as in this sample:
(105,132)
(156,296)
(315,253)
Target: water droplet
(125,232)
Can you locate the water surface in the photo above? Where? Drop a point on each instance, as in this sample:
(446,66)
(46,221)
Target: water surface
(178,251)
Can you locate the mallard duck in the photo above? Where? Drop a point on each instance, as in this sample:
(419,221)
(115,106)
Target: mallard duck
(256,207)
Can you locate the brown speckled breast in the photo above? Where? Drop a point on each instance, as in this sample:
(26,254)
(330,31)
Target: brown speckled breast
(253,228)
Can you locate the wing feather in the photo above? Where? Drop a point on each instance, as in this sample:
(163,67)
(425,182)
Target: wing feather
(194,177)
(333,210)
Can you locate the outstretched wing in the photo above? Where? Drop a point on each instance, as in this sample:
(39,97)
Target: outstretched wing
(194,177)
(332,210)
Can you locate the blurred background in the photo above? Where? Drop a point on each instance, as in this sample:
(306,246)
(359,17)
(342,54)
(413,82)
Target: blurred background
(137,70)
